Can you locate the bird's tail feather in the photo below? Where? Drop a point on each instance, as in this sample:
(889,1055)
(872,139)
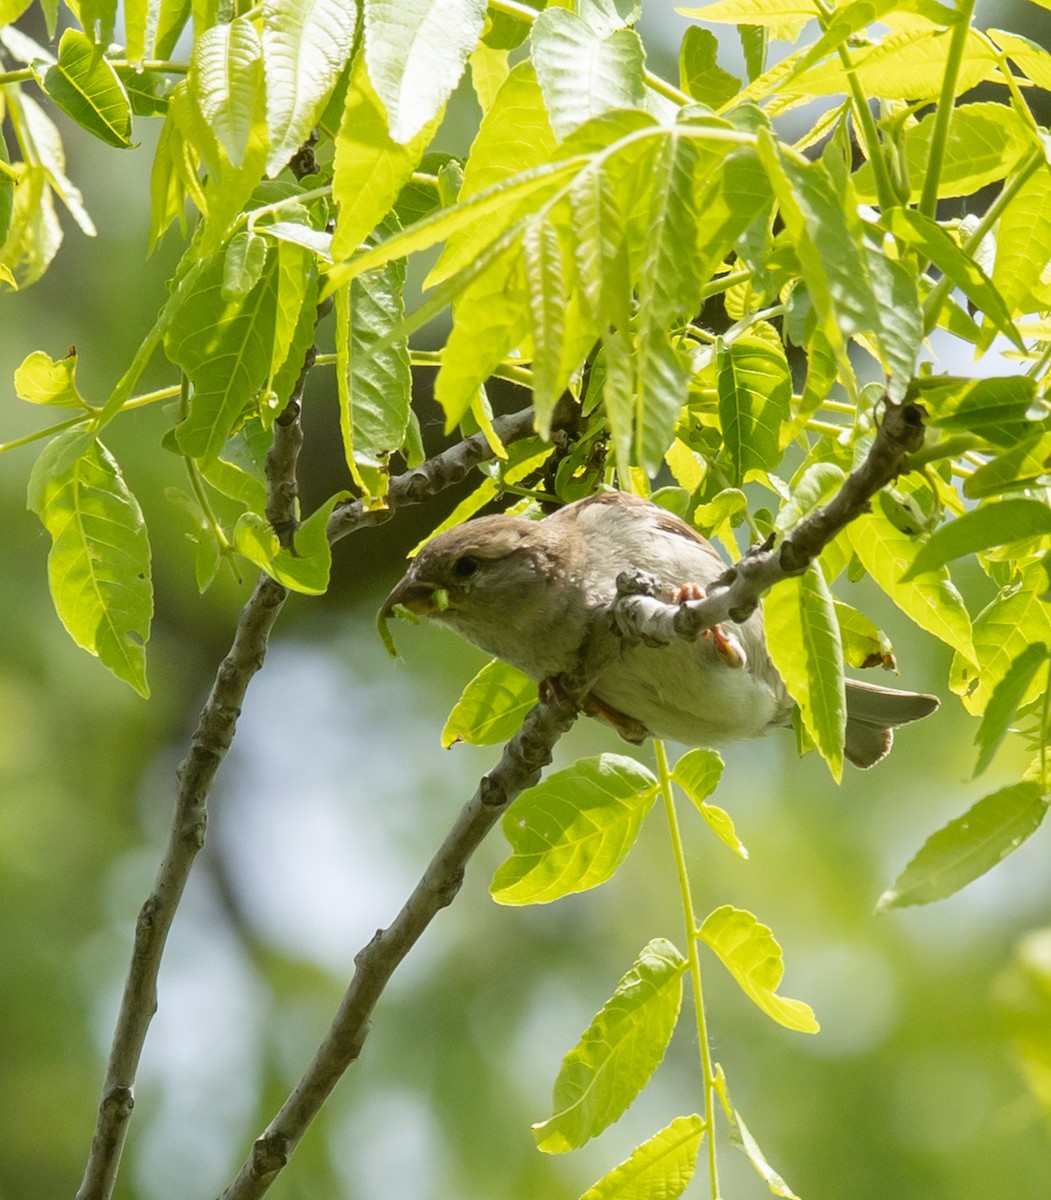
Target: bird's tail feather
(873,713)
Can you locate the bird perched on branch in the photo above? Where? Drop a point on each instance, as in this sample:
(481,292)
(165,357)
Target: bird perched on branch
(538,594)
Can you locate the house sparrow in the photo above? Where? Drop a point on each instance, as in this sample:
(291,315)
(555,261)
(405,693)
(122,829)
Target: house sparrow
(537,594)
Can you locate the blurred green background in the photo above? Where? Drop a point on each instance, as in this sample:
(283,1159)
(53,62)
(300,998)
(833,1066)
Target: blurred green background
(333,799)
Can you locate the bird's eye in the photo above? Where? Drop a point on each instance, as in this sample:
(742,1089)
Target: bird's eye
(465,566)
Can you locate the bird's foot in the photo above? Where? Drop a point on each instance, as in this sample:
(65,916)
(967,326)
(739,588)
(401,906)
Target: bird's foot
(727,645)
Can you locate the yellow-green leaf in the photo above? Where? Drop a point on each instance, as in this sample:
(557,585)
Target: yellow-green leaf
(492,706)
(99,564)
(659,1169)
(573,830)
(617,1053)
(753,957)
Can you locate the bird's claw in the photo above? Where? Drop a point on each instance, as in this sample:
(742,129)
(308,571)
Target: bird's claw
(727,645)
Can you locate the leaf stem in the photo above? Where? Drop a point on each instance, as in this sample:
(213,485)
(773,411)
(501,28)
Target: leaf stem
(692,958)
(164,393)
(944,110)
(22,75)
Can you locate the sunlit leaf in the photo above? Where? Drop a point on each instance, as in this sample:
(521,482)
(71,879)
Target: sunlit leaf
(306,44)
(617,1053)
(1015,620)
(99,564)
(86,87)
(969,845)
(659,1169)
(43,380)
(1023,241)
(573,830)
(304,569)
(224,346)
(753,957)
(416,51)
(804,644)
(920,231)
(699,72)
(582,74)
(226,72)
(929,599)
(755,389)
(698,773)
(985,143)
(864,643)
(980,529)
(492,706)
(1005,700)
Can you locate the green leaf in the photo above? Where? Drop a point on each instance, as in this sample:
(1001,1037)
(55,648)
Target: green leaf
(491,707)
(699,72)
(171,20)
(899,332)
(804,643)
(828,238)
(582,75)
(1023,463)
(306,45)
(755,390)
(994,524)
(546,290)
(226,73)
(572,831)
(698,773)
(996,407)
(42,380)
(659,1169)
(864,643)
(495,159)
(295,319)
(986,142)
(373,372)
(749,951)
(1004,702)
(87,88)
(494,201)
(243,264)
(929,599)
(969,846)
(224,346)
(1016,619)
(754,12)
(136,17)
(668,287)
(99,564)
(917,230)
(1023,242)
(304,569)
(416,51)
(370,166)
(617,1053)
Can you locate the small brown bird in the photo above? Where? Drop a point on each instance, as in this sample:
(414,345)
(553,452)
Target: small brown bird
(535,594)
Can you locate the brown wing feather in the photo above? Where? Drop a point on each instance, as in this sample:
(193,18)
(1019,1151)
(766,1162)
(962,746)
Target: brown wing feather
(666,522)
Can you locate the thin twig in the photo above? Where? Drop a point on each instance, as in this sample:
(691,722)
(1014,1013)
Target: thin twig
(430,477)
(523,759)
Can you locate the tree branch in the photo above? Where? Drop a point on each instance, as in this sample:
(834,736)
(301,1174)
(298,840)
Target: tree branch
(430,477)
(208,747)
(523,759)
(640,616)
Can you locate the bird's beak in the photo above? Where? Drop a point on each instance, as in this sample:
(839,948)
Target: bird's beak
(417,595)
